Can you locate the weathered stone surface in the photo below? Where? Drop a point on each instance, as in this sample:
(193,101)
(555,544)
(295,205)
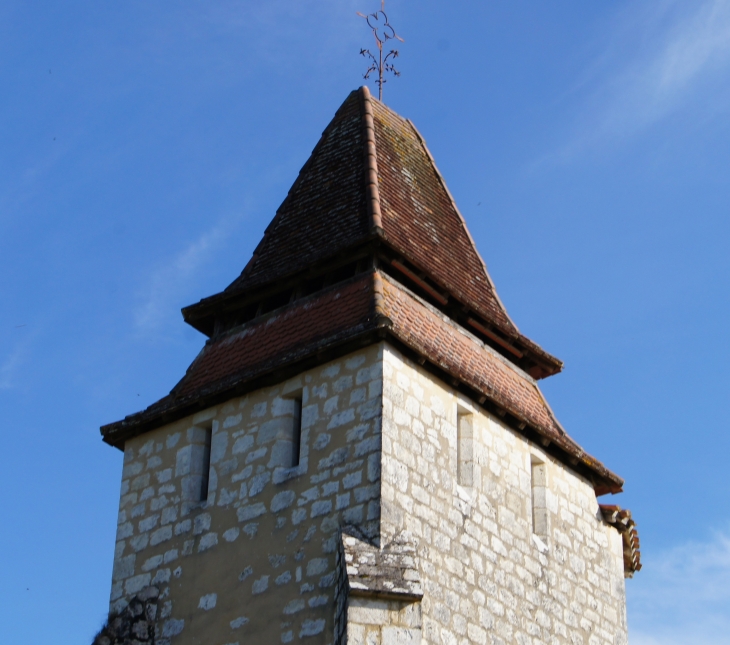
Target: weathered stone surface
(441,542)
(492,569)
(389,571)
(135,623)
(264,543)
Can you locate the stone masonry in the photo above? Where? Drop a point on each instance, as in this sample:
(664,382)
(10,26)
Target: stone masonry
(491,574)
(255,562)
(134,624)
(265,558)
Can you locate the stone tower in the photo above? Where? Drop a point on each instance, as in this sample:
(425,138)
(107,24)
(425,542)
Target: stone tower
(360,453)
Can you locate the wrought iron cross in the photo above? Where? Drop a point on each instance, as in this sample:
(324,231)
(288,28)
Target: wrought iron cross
(383,32)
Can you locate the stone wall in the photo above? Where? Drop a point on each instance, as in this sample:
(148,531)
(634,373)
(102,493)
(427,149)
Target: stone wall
(384,591)
(505,544)
(518,551)
(256,561)
(383,621)
(133,625)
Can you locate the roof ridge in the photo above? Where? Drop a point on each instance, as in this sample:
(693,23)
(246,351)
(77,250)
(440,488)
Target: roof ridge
(371,161)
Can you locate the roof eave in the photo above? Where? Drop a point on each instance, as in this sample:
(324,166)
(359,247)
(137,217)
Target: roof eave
(160,414)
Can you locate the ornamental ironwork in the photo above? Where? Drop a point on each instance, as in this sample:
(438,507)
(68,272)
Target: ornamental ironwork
(383,32)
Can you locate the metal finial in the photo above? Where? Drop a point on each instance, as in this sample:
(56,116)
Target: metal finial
(383,32)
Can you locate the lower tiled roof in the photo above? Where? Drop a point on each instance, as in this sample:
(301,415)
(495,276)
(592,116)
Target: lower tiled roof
(284,336)
(368,307)
(466,358)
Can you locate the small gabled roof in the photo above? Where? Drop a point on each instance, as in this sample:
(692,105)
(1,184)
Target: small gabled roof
(371,176)
(622,521)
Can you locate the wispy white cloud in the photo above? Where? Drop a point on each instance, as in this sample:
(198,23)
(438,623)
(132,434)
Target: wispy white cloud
(696,45)
(682,596)
(170,282)
(14,360)
(680,55)
(9,366)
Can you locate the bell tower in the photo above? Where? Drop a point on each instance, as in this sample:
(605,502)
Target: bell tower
(361,452)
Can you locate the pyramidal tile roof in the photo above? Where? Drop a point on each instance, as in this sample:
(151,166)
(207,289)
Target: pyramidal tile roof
(372,178)
(368,246)
(403,200)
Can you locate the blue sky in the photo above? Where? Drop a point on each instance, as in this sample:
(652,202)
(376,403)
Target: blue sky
(146,145)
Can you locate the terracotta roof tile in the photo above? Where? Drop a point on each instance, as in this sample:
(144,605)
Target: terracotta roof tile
(283,336)
(345,312)
(299,330)
(420,218)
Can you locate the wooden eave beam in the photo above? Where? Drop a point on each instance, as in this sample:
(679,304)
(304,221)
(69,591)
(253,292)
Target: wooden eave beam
(490,334)
(436,295)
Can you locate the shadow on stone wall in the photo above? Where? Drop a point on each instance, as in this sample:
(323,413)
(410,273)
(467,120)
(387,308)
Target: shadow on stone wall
(135,624)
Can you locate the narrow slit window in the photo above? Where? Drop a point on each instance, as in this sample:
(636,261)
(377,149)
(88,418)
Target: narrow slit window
(193,464)
(296,445)
(465,447)
(539,498)
(285,432)
(205,474)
